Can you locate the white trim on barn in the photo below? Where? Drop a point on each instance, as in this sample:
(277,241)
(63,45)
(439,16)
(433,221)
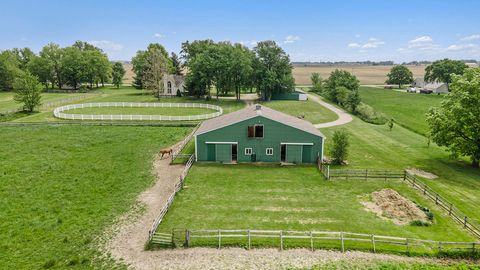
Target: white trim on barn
(286,143)
(221,142)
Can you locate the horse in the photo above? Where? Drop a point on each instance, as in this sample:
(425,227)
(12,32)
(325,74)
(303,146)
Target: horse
(168,151)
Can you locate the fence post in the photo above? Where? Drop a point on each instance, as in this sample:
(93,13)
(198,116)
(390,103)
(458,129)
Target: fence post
(473,247)
(439,247)
(373,243)
(281,240)
(406,244)
(450,209)
(436,198)
(366,174)
(465,222)
(219,239)
(404,175)
(249,240)
(343,244)
(311,241)
(328,172)
(425,189)
(187,238)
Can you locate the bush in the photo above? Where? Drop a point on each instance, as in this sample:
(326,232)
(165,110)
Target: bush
(179,94)
(339,150)
(368,114)
(419,223)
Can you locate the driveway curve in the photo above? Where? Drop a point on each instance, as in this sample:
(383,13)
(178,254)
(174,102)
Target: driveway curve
(343,116)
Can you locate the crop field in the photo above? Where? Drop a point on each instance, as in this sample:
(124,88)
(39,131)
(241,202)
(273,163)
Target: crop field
(63,185)
(407,109)
(291,198)
(365,73)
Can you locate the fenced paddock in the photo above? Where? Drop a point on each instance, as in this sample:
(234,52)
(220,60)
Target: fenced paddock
(58,112)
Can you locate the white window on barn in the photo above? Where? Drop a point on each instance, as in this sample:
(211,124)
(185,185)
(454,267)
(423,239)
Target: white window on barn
(255,131)
(269,151)
(248,151)
(169,87)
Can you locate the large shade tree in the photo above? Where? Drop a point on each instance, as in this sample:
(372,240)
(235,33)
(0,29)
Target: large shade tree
(27,91)
(8,69)
(455,124)
(442,70)
(140,60)
(273,70)
(399,75)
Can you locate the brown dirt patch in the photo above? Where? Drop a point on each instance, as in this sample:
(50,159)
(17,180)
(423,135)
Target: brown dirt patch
(421,173)
(389,204)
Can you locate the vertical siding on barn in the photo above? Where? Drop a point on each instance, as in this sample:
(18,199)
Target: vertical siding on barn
(224,152)
(294,153)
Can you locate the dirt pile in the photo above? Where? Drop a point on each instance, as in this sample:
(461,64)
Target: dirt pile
(389,204)
(421,173)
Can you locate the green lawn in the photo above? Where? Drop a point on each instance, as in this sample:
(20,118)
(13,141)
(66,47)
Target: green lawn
(290,198)
(142,111)
(407,109)
(312,111)
(7,103)
(62,186)
(376,147)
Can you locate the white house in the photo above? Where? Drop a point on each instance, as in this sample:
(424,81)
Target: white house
(172,83)
(437,87)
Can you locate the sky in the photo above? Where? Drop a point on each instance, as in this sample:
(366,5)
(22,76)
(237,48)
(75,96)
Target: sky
(348,30)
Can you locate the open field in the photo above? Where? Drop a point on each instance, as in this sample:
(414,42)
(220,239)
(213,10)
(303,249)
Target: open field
(407,109)
(291,198)
(309,109)
(63,185)
(366,74)
(7,103)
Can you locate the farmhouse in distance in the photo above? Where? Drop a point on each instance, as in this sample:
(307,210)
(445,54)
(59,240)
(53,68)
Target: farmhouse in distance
(258,134)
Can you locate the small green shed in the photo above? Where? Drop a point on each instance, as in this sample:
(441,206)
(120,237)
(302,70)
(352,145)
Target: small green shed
(258,134)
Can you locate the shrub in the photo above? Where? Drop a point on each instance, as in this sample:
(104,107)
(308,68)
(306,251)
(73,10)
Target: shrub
(339,150)
(368,114)
(179,94)
(419,223)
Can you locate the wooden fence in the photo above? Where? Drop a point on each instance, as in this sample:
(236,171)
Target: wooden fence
(318,239)
(178,187)
(182,145)
(443,203)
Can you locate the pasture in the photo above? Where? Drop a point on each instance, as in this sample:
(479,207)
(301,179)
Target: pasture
(63,185)
(273,197)
(365,73)
(141,111)
(407,109)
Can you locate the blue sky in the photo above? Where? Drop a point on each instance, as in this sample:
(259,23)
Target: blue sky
(399,30)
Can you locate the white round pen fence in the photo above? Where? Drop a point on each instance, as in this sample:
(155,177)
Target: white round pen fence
(58,112)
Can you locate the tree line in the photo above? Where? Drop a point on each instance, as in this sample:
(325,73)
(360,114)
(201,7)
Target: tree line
(225,67)
(56,67)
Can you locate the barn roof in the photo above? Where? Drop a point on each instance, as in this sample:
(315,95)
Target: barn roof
(251,112)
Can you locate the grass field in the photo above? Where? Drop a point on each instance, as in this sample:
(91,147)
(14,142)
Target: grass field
(7,103)
(142,111)
(407,109)
(374,146)
(291,198)
(311,110)
(61,186)
(366,74)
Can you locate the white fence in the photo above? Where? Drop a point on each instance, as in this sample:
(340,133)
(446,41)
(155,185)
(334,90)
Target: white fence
(58,112)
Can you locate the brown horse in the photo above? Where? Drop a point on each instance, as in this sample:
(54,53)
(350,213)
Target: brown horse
(168,151)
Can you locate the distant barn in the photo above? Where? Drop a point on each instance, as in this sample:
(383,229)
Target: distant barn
(258,134)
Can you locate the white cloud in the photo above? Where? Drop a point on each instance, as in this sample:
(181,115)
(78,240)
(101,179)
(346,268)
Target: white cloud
(291,39)
(372,43)
(461,47)
(157,35)
(471,37)
(423,41)
(107,45)
(249,43)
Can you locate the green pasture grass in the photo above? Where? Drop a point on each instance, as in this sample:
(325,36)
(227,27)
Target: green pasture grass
(141,111)
(375,147)
(272,197)
(375,264)
(62,186)
(407,109)
(7,103)
(312,111)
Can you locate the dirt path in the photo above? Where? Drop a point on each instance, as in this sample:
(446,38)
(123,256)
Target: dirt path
(343,116)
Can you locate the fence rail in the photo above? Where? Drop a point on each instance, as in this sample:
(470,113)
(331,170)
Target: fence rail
(178,187)
(313,238)
(58,112)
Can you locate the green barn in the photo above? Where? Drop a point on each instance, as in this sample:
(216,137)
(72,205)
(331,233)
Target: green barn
(258,134)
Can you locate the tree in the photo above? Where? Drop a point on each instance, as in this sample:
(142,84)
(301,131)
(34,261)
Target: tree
(317,82)
(390,124)
(156,65)
(139,61)
(8,69)
(74,67)
(399,74)
(353,100)
(337,79)
(24,56)
(53,54)
(176,65)
(201,62)
(455,123)
(42,68)
(339,151)
(273,70)
(27,91)
(442,70)
(117,74)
